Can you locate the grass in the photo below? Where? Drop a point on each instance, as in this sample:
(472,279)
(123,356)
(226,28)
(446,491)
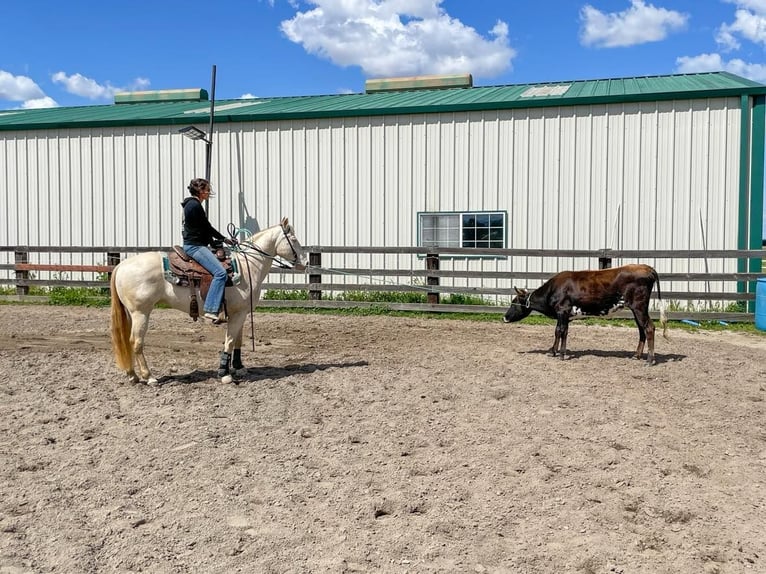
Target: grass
(96,297)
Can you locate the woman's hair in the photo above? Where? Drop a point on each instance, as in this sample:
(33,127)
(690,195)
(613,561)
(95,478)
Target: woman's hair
(197,185)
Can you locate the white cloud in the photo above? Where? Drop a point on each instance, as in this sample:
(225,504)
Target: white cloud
(248,96)
(18,88)
(715,63)
(80,85)
(639,24)
(749,23)
(398,38)
(754,5)
(39,103)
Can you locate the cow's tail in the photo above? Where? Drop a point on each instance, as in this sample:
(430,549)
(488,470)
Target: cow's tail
(121,347)
(663,306)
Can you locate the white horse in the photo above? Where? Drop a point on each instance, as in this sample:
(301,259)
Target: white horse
(139,283)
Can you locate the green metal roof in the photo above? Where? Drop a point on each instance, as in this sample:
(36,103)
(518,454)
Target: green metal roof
(580,92)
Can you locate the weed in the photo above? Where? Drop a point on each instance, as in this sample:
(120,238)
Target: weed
(78,296)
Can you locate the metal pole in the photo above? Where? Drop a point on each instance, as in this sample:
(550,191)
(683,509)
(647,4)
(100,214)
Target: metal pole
(209,140)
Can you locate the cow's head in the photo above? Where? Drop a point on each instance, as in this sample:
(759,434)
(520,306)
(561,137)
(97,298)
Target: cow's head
(519,306)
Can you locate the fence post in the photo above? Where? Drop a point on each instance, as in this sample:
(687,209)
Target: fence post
(20,256)
(432,264)
(112,259)
(604,261)
(315,260)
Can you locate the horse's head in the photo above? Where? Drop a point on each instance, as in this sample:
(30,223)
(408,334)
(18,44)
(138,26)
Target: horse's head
(519,306)
(289,247)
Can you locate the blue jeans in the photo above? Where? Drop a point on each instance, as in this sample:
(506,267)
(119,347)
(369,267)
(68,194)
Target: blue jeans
(202,255)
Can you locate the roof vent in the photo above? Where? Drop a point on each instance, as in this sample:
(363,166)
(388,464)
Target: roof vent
(418,83)
(538,91)
(188,95)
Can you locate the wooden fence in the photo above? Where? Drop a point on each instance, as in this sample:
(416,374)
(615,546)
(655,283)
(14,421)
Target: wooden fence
(428,278)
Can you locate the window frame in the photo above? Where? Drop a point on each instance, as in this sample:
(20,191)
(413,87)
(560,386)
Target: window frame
(460,215)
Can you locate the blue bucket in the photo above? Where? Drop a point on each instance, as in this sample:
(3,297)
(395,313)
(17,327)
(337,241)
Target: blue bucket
(760,305)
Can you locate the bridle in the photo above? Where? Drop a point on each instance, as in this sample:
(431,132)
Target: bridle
(279,261)
(296,257)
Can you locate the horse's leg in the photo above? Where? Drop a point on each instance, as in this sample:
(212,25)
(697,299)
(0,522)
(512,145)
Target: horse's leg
(237,366)
(140,324)
(132,376)
(232,347)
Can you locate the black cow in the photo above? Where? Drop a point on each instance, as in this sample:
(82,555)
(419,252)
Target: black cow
(574,294)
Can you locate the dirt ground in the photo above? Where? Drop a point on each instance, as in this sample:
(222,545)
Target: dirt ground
(379,444)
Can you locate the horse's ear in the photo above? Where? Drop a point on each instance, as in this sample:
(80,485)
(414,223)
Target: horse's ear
(285,223)
(520,291)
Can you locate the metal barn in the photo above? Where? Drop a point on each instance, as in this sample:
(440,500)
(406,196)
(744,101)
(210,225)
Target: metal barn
(650,163)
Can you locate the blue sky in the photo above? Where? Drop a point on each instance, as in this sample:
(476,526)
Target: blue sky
(80,52)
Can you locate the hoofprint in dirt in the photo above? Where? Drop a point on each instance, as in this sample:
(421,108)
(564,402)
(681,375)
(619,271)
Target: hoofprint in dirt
(379,444)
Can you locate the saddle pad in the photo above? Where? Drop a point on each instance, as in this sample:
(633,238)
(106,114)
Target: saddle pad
(181,272)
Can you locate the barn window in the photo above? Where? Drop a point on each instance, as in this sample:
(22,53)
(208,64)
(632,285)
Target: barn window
(480,230)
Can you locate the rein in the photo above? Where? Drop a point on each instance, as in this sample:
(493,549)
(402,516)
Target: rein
(279,261)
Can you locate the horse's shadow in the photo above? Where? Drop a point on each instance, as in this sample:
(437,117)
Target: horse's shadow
(659,358)
(255,374)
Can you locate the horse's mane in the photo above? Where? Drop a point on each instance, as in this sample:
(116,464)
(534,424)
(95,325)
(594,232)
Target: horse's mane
(258,234)
(256,240)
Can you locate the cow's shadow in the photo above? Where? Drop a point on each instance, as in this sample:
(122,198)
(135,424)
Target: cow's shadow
(255,374)
(572,355)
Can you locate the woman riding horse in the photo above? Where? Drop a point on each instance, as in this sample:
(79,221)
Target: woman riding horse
(198,235)
(139,283)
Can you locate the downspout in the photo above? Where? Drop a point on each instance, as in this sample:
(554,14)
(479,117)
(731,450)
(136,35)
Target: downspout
(751,185)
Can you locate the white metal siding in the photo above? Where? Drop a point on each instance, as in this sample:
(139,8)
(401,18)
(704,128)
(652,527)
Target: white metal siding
(623,176)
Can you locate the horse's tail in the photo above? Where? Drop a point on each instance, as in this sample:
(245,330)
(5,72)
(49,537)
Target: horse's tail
(663,313)
(121,346)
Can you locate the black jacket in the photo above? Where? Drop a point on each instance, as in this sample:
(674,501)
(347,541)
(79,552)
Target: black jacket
(197,229)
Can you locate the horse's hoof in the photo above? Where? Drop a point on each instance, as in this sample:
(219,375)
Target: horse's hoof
(133,379)
(240,372)
(227,379)
(152,382)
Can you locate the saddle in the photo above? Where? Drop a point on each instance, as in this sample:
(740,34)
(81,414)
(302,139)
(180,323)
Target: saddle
(182,270)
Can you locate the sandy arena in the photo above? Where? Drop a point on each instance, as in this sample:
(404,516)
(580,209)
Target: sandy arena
(379,444)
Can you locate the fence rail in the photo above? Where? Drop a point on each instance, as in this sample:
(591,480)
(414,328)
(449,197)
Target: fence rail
(429,273)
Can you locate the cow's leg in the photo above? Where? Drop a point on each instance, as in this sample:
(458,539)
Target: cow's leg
(554,349)
(645,335)
(649,340)
(560,342)
(556,341)
(641,337)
